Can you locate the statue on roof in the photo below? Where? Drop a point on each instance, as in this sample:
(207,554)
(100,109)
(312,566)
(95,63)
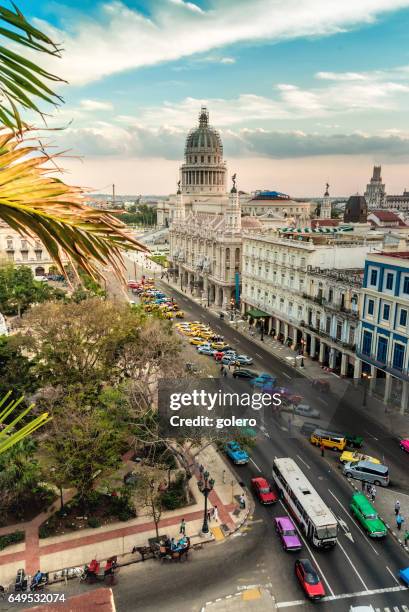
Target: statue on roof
(326,189)
(234,188)
(178,191)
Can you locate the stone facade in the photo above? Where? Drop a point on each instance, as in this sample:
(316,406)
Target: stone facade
(23,251)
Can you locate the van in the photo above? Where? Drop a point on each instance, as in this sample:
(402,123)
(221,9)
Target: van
(368,472)
(328,439)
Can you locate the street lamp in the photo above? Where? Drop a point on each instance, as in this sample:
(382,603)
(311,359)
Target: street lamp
(366,378)
(262,330)
(205,485)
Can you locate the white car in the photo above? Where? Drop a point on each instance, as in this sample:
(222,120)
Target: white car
(244,360)
(205,350)
(306,411)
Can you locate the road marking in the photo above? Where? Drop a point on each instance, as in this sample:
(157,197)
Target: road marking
(352,565)
(393,576)
(286,375)
(345,529)
(258,355)
(353,522)
(311,553)
(322,401)
(302,460)
(372,436)
(254,463)
(301,602)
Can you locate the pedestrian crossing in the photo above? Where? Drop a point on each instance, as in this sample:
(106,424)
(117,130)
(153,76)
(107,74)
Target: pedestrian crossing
(393,609)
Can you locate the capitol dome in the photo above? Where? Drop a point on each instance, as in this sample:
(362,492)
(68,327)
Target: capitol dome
(204,170)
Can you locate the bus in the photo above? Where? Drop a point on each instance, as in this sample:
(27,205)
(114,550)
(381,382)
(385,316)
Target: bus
(314,518)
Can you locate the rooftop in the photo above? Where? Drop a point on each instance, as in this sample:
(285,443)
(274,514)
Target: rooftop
(270,195)
(395,254)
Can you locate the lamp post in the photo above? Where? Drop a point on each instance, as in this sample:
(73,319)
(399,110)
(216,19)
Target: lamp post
(205,485)
(366,378)
(208,294)
(262,330)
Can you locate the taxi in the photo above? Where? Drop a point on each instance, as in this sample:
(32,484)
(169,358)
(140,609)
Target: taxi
(197,341)
(179,314)
(219,346)
(352,456)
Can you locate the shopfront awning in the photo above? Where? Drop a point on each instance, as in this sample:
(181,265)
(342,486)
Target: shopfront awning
(257,314)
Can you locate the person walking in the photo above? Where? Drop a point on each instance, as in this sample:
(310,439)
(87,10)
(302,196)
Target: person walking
(397,507)
(322,450)
(225,372)
(215,514)
(399,521)
(373,493)
(242,502)
(182,529)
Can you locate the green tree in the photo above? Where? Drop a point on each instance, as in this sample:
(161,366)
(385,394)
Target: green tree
(16,369)
(19,290)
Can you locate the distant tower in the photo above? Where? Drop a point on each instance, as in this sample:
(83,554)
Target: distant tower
(325,212)
(233,210)
(180,206)
(375,195)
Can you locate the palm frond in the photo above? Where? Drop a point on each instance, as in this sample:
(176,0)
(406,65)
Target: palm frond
(8,436)
(36,204)
(22,81)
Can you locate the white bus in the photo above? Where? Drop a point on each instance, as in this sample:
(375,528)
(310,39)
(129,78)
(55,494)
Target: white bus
(314,517)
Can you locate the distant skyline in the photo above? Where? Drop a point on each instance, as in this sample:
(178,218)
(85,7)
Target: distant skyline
(302,92)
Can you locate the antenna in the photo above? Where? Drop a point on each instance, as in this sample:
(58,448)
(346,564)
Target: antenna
(113,196)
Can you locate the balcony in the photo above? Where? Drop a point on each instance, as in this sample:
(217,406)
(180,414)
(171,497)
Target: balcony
(385,366)
(313,298)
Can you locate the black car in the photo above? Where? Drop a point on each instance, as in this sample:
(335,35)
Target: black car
(307,428)
(248,374)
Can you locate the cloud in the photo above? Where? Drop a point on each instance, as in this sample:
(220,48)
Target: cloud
(118,38)
(95,105)
(227,60)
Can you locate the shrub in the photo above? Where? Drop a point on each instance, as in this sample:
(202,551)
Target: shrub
(175,496)
(11,538)
(94,522)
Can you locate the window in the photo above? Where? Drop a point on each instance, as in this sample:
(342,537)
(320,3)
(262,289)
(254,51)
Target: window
(386,312)
(366,343)
(371,305)
(374,277)
(382,349)
(398,356)
(403,317)
(328,325)
(339,330)
(406,284)
(330,295)
(389,281)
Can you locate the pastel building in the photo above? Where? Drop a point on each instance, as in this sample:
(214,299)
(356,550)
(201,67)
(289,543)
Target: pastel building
(383,348)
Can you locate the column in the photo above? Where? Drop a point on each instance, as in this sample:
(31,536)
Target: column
(294,337)
(405,396)
(225,293)
(285,332)
(313,346)
(322,352)
(357,368)
(270,325)
(388,388)
(344,364)
(277,327)
(332,355)
(372,381)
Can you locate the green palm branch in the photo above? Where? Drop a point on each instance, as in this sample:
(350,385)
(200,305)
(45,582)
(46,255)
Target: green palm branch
(32,202)
(8,436)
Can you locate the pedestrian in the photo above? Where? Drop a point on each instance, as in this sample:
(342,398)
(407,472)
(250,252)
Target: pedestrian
(406,538)
(182,529)
(373,494)
(224,477)
(215,513)
(322,450)
(222,369)
(224,372)
(242,502)
(209,515)
(397,507)
(399,521)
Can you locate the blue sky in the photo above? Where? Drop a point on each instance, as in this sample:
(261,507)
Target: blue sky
(312,89)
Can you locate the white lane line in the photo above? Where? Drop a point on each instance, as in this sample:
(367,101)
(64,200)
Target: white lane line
(353,522)
(322,401)
(254,463)
(288,604)
(286,375)
(283,428)
(372,436)
(258,355)
(353,566)
(302,460)
(311,553)
(392,574)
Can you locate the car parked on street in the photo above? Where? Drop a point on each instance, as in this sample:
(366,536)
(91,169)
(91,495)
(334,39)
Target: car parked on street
(205,349)
(228,359)
(287,533)
(309,580)
(404,444)
(367,515)
(263,380)
(244,360)
(263,491)
(356,456)
(236,453)
(306,411)
(245,374)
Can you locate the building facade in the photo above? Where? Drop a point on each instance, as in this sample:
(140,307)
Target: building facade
(306,292)
(23,251)
(383,348)
(375,190)
(279,204)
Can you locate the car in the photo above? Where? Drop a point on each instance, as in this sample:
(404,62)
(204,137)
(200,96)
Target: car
(263,380)
(236,453)
(179,314)
(247,374)
(307,411)
(197,341)
(228,359)
(404,444)
(308,428)
(355,456)
(205,350)
(218,355)
(367,515)
(263,491)
(288,395)
(309,580)
(219,346)
(244,360)
(404,575)
(287,533)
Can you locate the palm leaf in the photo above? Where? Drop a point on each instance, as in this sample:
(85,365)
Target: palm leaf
(9,436)
(36,204)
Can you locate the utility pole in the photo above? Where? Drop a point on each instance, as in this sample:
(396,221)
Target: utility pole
(113,196)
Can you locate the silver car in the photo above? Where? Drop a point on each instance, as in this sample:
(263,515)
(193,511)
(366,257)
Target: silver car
(244,360)
(306,411)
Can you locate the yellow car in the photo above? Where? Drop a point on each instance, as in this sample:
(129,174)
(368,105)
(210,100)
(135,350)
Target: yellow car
(179,314)
(218,346)
(205,335)
(169,315)
(197,341)
(355,456)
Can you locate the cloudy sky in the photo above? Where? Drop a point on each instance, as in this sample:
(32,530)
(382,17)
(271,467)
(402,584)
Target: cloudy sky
(302,91)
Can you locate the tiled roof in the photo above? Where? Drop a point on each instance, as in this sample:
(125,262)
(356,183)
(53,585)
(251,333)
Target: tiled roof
(325,222)
(388,215)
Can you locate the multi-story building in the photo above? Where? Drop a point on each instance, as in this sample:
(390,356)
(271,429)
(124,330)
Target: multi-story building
(21,250)
(375,190)
(383,347)
(304,290)
(280,204)
(398,202)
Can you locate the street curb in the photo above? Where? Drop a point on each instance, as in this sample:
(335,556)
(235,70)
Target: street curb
(388,527)
(239,594)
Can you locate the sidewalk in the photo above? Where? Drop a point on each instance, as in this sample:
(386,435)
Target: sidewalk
(77,548)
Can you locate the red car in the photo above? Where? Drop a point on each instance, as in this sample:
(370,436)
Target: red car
(308,578)
(218,355)
(263,491)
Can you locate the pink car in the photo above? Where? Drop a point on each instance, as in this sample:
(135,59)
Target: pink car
(404,444)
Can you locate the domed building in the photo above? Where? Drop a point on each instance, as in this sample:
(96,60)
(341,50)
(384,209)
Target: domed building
(205,231)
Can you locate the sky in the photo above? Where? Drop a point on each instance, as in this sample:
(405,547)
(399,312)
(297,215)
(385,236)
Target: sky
(303,92)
